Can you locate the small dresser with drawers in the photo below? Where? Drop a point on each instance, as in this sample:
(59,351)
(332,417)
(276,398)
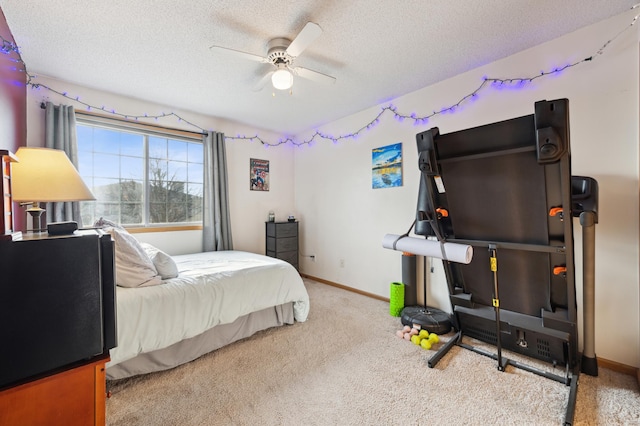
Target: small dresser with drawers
(282,241)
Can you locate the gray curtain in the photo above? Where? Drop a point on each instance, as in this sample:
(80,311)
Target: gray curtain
(216,225)
(60,133)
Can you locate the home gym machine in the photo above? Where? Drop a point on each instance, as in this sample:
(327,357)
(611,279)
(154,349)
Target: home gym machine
(506,190)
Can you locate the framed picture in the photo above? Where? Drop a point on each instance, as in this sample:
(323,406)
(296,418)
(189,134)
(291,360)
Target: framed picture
(386,166)
(258,174)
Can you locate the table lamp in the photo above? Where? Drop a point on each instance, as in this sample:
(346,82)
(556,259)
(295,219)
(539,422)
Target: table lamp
(46,175)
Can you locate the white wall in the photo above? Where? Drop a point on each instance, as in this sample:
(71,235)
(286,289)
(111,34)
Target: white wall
(342,218)
(249,209)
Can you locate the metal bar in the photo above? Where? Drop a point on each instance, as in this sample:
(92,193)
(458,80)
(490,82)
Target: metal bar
(509,246)
(496,302)
(589,361)
(539,372)
(521,366)
(571,403)
(444,349)
(497,153)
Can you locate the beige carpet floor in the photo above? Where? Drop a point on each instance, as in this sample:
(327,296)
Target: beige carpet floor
(345,366)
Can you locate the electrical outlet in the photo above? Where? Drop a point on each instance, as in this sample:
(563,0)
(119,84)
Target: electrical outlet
(342,263)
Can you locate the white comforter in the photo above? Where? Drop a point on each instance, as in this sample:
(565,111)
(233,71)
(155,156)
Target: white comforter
(212,288)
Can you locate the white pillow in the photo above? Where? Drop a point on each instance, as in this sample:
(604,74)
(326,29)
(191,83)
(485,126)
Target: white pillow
(106,223)
(133,266)
(165,265)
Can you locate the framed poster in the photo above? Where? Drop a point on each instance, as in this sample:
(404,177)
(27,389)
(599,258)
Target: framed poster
(259,174)
(386,166)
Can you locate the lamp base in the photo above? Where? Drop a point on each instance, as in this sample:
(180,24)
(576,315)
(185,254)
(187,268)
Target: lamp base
(36,216)
(62,228)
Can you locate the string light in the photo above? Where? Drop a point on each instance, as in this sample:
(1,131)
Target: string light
(8,47)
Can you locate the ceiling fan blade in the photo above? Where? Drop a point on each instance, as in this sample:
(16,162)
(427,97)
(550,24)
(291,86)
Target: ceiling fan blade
(263,81)
(309,33)
(314,75)
(239,53)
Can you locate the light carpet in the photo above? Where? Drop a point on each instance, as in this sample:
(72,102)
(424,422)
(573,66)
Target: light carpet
(345,366)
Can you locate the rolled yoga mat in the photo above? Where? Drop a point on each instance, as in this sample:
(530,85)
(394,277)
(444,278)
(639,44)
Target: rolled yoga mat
(396,299)
(460,253)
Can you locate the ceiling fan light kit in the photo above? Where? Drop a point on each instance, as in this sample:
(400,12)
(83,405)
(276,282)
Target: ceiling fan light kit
(281,54)
(282,79)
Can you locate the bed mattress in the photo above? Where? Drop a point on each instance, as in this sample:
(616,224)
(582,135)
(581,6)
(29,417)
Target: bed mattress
(212,288)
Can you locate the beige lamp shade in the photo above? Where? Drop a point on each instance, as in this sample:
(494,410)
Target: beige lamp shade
(46,175)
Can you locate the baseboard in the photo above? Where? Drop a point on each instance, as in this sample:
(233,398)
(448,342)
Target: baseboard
(602,363)
(619,368)
(344,287)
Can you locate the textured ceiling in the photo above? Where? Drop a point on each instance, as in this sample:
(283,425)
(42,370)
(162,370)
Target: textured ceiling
(158,50)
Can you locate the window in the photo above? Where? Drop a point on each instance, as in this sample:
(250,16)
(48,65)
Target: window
(140,177)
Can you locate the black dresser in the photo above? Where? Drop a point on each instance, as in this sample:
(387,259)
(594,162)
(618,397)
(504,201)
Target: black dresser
(282,241)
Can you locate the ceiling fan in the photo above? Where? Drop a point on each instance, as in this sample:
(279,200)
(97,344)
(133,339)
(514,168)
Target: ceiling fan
(282,53)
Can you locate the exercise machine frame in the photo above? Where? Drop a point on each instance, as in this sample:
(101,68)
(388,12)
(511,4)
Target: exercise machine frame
(506,189)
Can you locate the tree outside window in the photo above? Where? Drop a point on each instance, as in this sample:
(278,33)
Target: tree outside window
(140,179)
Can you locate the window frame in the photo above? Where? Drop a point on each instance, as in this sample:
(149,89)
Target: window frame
(148,130)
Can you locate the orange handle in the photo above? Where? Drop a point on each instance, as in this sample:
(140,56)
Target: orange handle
(555,211)
(442,212)
(557,270)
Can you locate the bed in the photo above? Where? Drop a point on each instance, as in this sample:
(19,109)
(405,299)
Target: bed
(217,298)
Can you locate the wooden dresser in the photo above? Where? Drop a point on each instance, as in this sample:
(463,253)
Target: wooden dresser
(72,397)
